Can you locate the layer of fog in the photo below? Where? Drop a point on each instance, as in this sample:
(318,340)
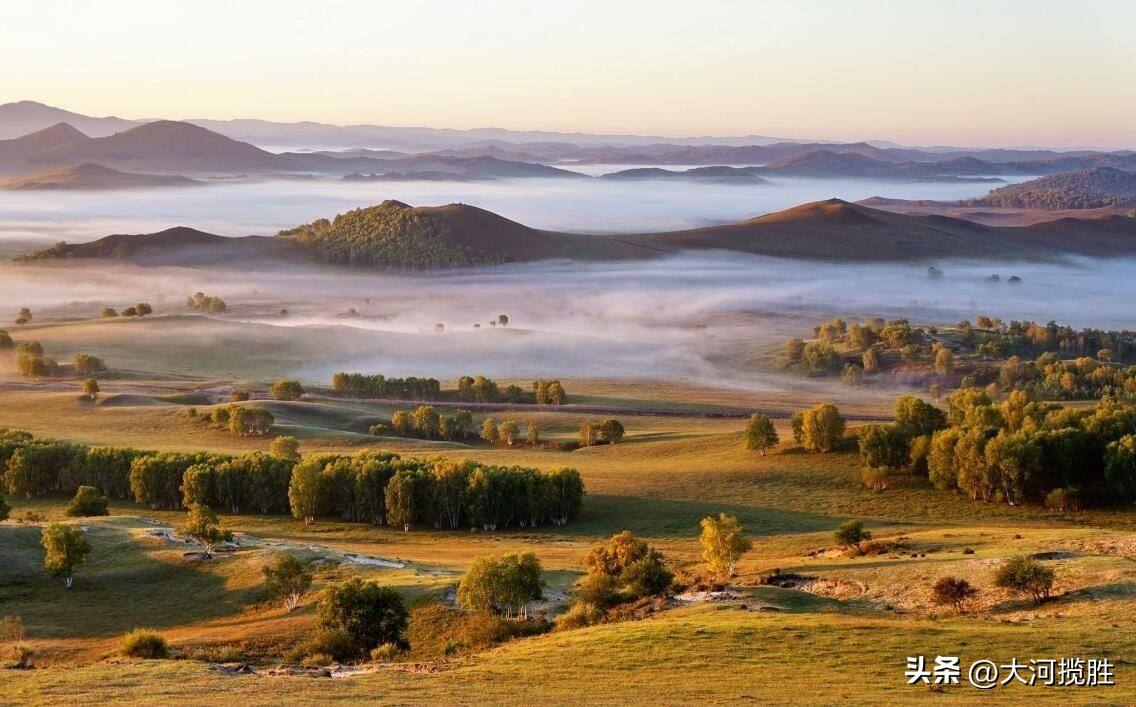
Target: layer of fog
(264,207)
(700,317)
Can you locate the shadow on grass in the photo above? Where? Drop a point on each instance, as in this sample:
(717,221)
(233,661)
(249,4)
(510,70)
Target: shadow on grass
(123,585)
(606,514)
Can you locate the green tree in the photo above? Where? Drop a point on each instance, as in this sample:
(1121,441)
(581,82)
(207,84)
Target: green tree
(852,533)
(426,421)
(1120,466)
(201,526)
(944,361)
(287,390)
(307,489)
(285,447)
(611,431)
(506,585)
(143,309)
(760,434)
(286,580)
(65,548)
(532,435)
(883,447)
(503,319)
(371,614)
(723,544)
(1025,576)
(108,313)
(87,502)
(5,509)
(822,428)
(508,431)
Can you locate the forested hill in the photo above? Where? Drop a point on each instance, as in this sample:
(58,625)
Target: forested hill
(395,235)
(1086,189)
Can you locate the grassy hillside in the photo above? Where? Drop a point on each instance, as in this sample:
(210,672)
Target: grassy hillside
(1087,189)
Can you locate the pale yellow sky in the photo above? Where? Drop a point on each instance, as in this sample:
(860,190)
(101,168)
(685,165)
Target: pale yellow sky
(964,73)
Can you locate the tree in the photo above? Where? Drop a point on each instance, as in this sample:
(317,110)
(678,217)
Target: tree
(250,421)
(6,340)
(589,434)
(87,502)
(286,579)
(503,319)
(883,447)
(944,361)
(506,585)
(25,314)
(91,388)
(953,591)
(142,308)
(532,435)
(130,312)
(306,489)
(822,428)
(916,417)
(108,313)
(1120,466)
(287,390)
(285,447)
(401,423)
(508,431)
(611,430)
(723,543)
(852,533)
(1025,576)
(5,509)
(489,431)
(65,549)
(760,434)
(371,614)
(201,525)
(426,421)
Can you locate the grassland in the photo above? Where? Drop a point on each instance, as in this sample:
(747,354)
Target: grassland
(847,639)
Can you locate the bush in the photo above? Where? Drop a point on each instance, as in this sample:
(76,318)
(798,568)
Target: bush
(287,390)
(332,643)
(386,653)
(1025,576)
(87,502)
(852,533)
(580,615)
(953,591)
(141,643)
(369,613)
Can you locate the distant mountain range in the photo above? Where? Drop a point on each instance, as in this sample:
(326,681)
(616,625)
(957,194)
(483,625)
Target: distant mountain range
(395,235)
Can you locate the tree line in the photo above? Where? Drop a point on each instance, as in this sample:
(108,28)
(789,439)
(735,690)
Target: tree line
(470,389)
(379,487)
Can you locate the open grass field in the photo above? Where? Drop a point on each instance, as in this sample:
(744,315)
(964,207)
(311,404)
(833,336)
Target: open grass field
(850,627)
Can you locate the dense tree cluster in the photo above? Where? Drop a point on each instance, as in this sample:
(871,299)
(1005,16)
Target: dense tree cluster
(818,429)
(470,389)
(426,423)
(31,363)
(378,487)
(242,420)
(1020,450)
(200,302)
(361,385)
(1049,360)
(1085,189)
(87,364)
(389,235)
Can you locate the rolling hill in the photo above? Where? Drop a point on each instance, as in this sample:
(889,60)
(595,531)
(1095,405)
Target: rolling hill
(1087,189)
(394,235)
(92,177)
(164,146)
(716,174)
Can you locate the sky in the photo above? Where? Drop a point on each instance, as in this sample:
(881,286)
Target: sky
(1008,73)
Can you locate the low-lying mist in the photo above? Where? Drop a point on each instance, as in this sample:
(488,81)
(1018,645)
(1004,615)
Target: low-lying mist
(240,208)
(705,318)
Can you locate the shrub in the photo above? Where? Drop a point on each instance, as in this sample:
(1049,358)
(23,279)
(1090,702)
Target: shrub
(1025,576)
(1067,498)
(87,502)
(386,652)
(581,614)
(141,643)
(852,533)
(368,612)
(953,591)
(287,579)
(287,390)
(332,644)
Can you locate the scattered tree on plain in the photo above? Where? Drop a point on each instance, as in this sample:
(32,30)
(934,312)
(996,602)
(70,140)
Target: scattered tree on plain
(371,614)
(91,388)
(201,525)
(65,549)
(505,585)
(953,591)
(87,502)
(851,533)
(760,434)
(286,580)
(287,390)
(723,544)
(1025,575)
